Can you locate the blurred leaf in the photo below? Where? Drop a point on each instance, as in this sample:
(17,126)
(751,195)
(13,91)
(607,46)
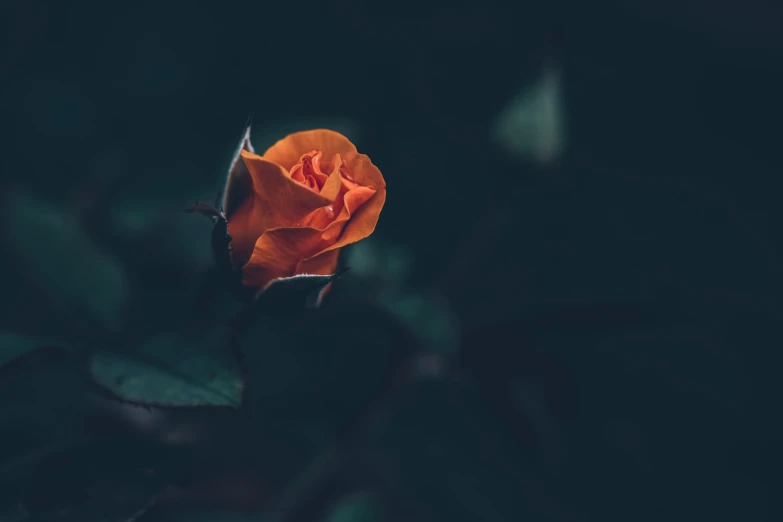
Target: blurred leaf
(361,507)
(84,283)
(13,345)
(182,239)
(208,516)
(532,124)
(113,480)
(148,229)
(375,262)
(171,370)
(428,316)
(381,270)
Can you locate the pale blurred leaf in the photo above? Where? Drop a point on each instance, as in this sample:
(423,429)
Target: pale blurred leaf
(83,282)
(360,507)
(13,345)
(429,318)
(531,126)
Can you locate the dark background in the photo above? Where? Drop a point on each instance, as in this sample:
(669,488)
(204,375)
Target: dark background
(612,312)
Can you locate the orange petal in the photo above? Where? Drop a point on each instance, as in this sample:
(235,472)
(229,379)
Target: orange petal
(279,252)
(277,201)
(287,151)
(322,264)
(327,218)
(363,220)
(353,200)
(362,171)
(308,172)
(320,218)
(244,231)
(334,183)
(285,200)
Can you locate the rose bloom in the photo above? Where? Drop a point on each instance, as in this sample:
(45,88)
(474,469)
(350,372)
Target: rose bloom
(312,193)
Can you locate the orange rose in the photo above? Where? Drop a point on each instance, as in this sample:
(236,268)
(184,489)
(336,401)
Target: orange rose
(308,196)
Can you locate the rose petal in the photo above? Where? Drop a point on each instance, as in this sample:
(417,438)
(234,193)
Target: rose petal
(284,249)
(353,200)
(244,231)
(277,201)
(363,221)
(319,218)
(308,172)
(278,252)
(362,171)
(287,151)
(322,217)
(321,264)
(334,182)
(287,201)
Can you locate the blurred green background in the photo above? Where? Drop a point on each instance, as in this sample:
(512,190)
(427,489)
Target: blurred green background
(570,309)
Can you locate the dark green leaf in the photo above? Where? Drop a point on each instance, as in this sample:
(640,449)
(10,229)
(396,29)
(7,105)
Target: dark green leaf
(292,294)
(170,370)
(238,184)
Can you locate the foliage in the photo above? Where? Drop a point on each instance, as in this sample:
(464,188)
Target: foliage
(148,394)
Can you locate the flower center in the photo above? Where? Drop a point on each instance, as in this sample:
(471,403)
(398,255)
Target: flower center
(308,171)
